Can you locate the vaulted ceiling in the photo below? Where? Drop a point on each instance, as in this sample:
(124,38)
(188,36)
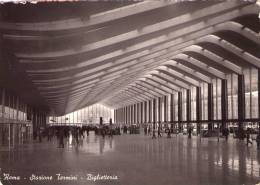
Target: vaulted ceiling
(69,55)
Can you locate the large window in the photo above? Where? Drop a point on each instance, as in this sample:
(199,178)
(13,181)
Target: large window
(204,98)
(169,107)
(89,115)
(232,81)
(175,107)
(162,109)
(184,105)
(193,103)
(217,98)
(251,92)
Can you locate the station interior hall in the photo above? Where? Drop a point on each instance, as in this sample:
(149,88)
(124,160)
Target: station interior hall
(163,92)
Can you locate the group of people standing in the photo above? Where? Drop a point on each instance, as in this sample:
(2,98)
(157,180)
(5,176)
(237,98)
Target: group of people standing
(62,133)
(76,132)
(148,130)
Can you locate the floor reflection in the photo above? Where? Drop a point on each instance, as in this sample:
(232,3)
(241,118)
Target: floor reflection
(92,144)
(137,159)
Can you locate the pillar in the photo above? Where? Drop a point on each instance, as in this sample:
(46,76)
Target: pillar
(180,111)
(3,102)
(159,105)
(188,107)
(241,102)
(128,115)
(154,117)
(210,106)
(172,111)
(134,113)
(137,112)
(165,109)
(17,108)
(145,112)
(115,112)
(198,108)
(258,83)
(142,112)
(150,111)
(224,103)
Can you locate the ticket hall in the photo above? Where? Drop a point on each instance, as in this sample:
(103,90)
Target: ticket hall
(130,92)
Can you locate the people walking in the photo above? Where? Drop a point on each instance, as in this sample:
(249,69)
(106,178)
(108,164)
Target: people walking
(258,141)
(61,138)
(226,133)
(168,133)
(248,141)
(189,132)
(159,132)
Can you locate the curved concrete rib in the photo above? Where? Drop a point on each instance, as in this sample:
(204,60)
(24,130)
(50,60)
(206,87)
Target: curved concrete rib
(232,48)
(95,19)
(114,86)
(170,46)
(134,89)
(174,75)
(162,85)
(185,59)
(214,58)
(249,9)
(207,40)
(171,80)
(170,55)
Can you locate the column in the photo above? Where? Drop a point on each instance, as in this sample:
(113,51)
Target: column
(258,81)
(241,102)
(188,107)
(120,115)
(142,113)
(224,102)
(123,115)
(127,115)
(180,111)
(137,112)
(34,121)
(150,111)
(172,112)
(159,112)
(3,102)
(154,117)
(165,109)
(210,106)
(115,118)
(17,107)
(132,114)
(145,112)
(198,107)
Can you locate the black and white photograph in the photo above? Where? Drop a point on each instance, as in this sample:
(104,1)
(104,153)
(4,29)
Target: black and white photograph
(129,92)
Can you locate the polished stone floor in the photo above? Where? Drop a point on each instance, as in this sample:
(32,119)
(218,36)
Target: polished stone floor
(133,160)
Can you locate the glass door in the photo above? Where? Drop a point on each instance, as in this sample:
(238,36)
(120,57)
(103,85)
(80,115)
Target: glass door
(6,136)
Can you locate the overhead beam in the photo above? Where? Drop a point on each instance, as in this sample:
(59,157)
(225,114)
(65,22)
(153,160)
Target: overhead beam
(92,20)
(202,13)
(174,75)
(172,80)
